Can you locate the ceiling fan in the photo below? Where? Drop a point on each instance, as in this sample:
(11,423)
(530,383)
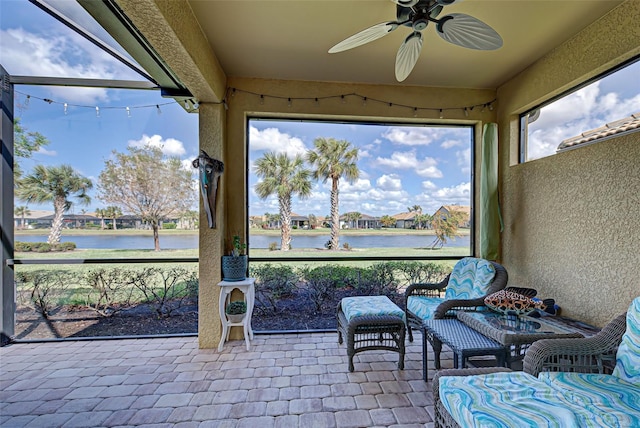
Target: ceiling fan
(457,28)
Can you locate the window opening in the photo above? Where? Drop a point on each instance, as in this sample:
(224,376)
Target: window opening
(604,107)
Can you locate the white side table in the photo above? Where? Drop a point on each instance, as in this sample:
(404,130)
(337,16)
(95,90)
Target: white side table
(247,287)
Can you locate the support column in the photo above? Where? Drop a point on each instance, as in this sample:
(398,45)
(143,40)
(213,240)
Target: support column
(7,285)
(212,132)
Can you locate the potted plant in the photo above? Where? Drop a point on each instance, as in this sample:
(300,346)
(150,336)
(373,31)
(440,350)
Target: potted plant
(234,265)
(235,311)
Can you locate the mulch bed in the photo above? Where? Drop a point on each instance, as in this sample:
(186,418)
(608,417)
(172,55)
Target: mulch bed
(295,313)
(69,322)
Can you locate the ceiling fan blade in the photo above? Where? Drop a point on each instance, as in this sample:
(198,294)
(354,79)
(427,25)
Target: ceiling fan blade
(406,3)
(365,36)
(468,32)
(408,55)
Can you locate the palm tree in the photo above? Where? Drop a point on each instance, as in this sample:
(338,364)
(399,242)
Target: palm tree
(332,160)
(283,177)
(102,213)
(22,212)
(387,221)
(55,184)
(113,212)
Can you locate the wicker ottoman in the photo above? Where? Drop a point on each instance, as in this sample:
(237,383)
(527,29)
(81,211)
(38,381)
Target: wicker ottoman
(371,323)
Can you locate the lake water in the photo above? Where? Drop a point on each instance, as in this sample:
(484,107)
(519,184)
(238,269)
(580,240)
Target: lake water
(178,242)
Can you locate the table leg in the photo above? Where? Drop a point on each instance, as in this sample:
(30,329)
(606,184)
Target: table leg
(223,319)
(437,348)
(425,355)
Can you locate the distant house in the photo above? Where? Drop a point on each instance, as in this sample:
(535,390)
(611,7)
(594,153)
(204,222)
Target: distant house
(299,221)
(70,221)
(405,220)
(365,221)
(445,210)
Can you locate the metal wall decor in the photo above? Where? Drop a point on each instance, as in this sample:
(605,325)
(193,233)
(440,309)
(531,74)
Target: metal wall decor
(210,171)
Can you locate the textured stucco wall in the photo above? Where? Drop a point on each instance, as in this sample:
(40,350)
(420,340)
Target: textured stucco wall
(571,219)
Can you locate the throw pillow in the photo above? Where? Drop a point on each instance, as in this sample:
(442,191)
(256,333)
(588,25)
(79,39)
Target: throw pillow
(508,302)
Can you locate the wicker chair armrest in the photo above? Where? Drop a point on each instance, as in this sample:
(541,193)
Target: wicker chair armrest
(462,372)
(582,355)
(461,304)
(425,290)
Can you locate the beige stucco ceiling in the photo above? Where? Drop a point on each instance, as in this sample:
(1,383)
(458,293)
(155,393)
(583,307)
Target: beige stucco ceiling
(289,39)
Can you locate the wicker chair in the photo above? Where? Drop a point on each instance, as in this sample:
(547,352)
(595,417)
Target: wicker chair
(594,354)
(447,307)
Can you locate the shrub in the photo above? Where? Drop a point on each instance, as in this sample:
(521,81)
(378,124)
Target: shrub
(378,280)
(412,272)
(110,290)
(45,288)
(44,247)
(169,225)
(322,282)
(346,246)
(273,246)
(166,289)
(273,283)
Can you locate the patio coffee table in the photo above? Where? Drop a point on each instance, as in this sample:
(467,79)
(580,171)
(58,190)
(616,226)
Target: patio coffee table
(517,333)
(464,341)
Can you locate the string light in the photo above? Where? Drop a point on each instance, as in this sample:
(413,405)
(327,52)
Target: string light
(191,104)
(97,109)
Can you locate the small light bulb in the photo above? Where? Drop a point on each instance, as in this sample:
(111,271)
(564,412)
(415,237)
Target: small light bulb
(364,102)
(233,92)
(65,108)
(344,101)
(466,112)
(289,102)
(415,112)
(26,102)
(317,102)
(128,112)
(261,100)
(441,114)
(158,109)
(490,106)
(97,111)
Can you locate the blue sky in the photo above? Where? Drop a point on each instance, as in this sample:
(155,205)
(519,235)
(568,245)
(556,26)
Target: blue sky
(400,166)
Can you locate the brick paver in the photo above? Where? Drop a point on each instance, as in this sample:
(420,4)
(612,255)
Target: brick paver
(299,380)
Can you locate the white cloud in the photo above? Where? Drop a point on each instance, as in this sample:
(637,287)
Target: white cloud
(46,152)
(410,136)
(447,144)
(170,146)
(429,185)
(271,139)
(389,182)
(464,160)
(358,186)
(426,167)
(61,55)
(460,194)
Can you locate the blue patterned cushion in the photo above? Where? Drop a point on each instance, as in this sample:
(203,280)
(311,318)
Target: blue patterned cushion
(424,307)
(628,356)
(514,399)
(612,401)
(470,279)
(369,305)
